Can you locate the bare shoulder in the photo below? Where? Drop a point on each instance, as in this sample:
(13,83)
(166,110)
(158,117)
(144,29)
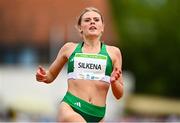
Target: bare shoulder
(113,50)
(68,48)
(69,45)
(115,54)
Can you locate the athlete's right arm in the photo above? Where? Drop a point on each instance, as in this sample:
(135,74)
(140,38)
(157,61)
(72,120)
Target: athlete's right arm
(48,76)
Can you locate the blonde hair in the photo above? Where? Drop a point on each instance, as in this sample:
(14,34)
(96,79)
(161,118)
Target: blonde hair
(87,10)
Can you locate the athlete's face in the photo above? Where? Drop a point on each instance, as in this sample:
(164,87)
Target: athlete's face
(91,24)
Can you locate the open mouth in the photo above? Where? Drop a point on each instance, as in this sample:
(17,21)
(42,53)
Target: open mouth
(92,28)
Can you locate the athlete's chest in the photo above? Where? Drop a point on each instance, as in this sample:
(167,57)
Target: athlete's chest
(90,66)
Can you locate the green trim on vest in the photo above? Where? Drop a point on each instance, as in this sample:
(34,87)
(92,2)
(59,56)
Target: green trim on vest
(71,58)
(103,51)
(109,67)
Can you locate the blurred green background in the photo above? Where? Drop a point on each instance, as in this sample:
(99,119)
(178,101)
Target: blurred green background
(149,31)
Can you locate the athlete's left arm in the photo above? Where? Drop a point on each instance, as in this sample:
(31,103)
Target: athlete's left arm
(116,76)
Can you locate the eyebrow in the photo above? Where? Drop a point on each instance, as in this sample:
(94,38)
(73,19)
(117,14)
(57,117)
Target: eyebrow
(90,18)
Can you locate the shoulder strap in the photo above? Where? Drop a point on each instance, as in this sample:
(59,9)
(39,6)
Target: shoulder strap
(109,67)
(79,47)
(103,48)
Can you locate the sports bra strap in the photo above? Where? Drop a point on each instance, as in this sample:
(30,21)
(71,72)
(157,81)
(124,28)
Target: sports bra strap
(79,47)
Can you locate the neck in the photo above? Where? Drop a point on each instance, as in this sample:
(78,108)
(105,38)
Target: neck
(91,46)
(91,42)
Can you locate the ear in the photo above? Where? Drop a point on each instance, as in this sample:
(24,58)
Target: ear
(102,28)
(79,29)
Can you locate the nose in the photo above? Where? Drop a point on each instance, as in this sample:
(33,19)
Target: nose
(92,22)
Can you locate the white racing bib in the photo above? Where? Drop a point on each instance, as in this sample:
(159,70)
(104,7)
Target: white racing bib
(89,66)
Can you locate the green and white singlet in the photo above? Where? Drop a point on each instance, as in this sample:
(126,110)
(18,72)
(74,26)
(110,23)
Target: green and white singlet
(90,66)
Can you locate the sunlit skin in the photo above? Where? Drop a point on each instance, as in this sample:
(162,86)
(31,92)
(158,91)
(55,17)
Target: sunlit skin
(92,91)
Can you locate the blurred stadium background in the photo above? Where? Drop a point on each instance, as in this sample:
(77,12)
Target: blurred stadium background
(146,31)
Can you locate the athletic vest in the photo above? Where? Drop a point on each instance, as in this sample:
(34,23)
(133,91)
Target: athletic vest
(90,66)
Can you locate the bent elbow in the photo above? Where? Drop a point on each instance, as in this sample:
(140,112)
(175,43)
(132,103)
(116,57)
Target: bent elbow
(119,96)
(48,81)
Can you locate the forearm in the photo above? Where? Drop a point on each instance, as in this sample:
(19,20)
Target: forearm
(54,70)
(117,88)
(50,77)
(52,73)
